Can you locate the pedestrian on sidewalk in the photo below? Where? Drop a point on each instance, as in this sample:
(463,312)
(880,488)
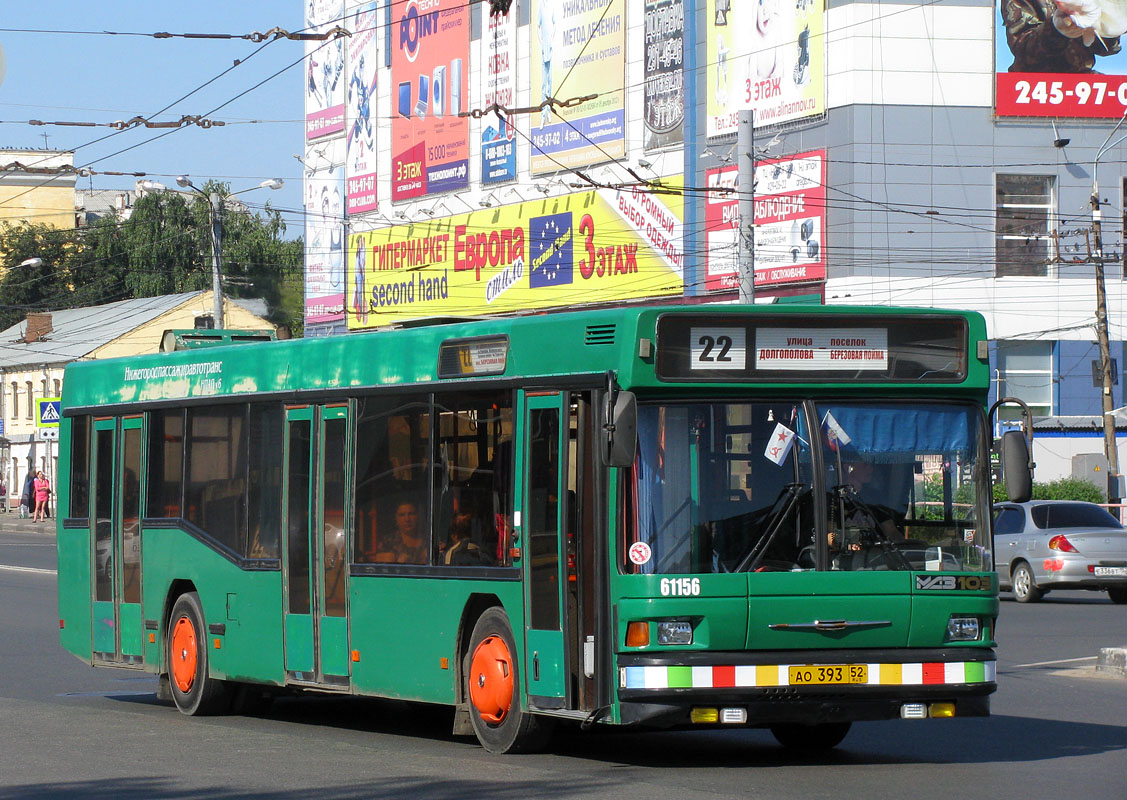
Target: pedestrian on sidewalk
(27,495)
(42,492)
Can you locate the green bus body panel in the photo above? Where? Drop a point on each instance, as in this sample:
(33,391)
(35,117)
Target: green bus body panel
(735,612)
(251,645)
(104,627)
(129,617)
(544,673)
(334,645)
(400,659)
(75,595)
(299,642)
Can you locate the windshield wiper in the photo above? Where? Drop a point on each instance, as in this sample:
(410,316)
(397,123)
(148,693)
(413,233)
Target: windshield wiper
(784,504)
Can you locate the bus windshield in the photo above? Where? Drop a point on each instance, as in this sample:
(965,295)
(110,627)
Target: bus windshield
(735,487)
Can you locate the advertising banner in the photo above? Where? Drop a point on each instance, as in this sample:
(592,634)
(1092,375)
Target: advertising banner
(765,56)
(430,48)
(664,107)
(578,49)
(499,80)
(324,234)
(1059,60)
(790,223)
(324,64)
(593,247)
(363,63)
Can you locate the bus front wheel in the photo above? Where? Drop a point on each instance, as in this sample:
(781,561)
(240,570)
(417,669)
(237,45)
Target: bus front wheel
(492,677)
(810,738)
(193,691)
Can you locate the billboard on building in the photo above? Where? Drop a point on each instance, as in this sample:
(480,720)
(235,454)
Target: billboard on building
(765,56)
(430,49)
(324,64)
(324,233)
(664,108)
(592,247)
(363,65)
(1061,60)
(790,223)
(578,49)
(499,86)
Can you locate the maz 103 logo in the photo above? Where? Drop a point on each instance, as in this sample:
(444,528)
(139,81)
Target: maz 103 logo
(955,583)
(416,26)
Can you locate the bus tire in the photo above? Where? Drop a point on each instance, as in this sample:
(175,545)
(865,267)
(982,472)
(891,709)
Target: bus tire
(810,738)
(1024,587)
(194,691)
(492,689)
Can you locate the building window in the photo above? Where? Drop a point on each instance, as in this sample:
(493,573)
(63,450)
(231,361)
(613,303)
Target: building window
(1024,224)
(58,388)
(15,399)
(29,403)
(1025,371)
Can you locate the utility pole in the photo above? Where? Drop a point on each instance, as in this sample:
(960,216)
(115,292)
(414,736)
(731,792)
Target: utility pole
(1111,449)
(745,155)
(216,208)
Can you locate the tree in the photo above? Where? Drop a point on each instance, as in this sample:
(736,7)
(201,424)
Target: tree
(163,248)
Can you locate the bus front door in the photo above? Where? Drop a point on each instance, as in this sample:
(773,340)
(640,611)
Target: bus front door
(116,561)
(316,558)
(556,507)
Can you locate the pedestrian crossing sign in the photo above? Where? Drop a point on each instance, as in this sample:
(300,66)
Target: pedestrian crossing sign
(48,411)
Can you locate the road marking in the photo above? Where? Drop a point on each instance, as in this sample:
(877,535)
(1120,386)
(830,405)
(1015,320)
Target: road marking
(1058,661)
(29,569)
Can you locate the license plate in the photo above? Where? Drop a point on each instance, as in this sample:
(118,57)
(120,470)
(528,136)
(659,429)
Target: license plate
(825,674)
(1109,572)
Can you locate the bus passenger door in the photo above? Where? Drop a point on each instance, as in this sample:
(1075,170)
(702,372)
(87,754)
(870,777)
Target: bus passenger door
(542,507)
(116,496)
(316,562)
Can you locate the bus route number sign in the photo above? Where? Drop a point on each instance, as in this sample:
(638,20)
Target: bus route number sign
(718,348)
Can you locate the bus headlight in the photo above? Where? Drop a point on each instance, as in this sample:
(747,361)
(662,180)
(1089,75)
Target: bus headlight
(675,632)
(963,629)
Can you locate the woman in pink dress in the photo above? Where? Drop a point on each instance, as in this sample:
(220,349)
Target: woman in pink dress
(42,492)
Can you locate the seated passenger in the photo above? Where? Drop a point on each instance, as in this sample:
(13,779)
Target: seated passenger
(408,545)
(463,551)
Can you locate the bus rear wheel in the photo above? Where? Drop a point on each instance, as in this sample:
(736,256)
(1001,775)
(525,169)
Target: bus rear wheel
(492,689)
(810,738)
(194,692)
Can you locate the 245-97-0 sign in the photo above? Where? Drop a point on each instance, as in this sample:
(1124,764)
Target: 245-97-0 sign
(1026,94)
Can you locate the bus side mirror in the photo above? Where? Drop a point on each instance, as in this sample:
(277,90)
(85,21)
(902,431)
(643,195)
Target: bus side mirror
(1016,469)
(621,429)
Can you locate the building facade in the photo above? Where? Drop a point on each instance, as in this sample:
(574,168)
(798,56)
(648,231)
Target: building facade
(460,160)
(37,186)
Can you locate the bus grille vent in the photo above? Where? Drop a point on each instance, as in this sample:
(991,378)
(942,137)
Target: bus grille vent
(600,334)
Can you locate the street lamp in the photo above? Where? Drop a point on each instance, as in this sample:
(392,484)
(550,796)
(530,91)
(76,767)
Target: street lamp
(34,263)
(215,212)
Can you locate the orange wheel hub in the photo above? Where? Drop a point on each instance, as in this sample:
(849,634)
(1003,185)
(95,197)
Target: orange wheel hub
(184,654)
(491,679)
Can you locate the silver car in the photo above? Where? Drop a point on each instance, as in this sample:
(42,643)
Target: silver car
(1059,544)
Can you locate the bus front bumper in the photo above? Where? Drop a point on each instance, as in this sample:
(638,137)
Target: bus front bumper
(805,686)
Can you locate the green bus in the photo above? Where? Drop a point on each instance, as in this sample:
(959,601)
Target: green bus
(662,516)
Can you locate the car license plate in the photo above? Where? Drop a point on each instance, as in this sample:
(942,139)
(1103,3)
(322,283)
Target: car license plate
(824,674)
(1109,572)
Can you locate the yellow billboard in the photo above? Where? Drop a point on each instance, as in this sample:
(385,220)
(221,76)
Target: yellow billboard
(591,247)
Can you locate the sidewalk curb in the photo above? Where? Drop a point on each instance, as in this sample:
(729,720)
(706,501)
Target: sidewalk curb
(11,523)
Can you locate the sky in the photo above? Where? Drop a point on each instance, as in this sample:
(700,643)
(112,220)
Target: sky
(54,75)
